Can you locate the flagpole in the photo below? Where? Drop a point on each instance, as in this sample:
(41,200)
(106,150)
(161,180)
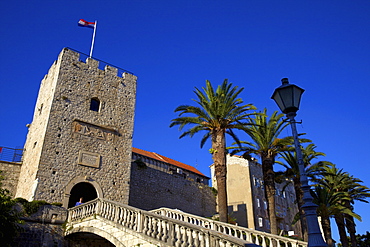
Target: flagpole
(93,39)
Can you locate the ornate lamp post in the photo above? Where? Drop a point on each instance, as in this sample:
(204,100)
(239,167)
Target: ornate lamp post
(288,98)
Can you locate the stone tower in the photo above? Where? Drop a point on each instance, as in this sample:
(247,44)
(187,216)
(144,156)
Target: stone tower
(79,143)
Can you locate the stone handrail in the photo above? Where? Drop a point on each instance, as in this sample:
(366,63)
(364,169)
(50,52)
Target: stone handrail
(170,231)
(260,238)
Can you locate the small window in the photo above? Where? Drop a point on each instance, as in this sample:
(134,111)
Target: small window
(260,222)
(95,104)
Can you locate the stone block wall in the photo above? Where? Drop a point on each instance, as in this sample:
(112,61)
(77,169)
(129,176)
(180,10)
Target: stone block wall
(67,141)
(44,228)
(152,189)
(10,173)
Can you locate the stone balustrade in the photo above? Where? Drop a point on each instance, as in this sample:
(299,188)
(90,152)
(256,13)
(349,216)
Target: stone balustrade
(168,231)
(260,238)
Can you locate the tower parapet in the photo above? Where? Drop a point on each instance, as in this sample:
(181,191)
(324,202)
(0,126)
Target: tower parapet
(81,132)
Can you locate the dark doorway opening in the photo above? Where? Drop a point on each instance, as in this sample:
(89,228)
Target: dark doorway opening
(85,190)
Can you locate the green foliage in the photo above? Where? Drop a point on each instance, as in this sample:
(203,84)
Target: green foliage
(218,113)
(31,207)
(214,191)
(363,240)
(9,217)
(219,109)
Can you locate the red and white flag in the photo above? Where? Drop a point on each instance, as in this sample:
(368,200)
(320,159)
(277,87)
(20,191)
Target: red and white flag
(83,23)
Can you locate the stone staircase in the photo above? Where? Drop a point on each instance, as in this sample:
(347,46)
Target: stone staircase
(124,225)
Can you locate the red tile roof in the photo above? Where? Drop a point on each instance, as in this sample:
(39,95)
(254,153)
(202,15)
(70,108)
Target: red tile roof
(166,160)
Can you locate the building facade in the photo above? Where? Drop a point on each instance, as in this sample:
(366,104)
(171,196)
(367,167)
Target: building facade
(81,133)
(79,144)
(158,181)
(247,201)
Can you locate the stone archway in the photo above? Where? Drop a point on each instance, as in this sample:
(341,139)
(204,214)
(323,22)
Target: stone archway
(87,239)
(84,187)
(82,190)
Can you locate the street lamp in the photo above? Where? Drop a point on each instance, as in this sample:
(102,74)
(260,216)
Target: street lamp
(288,98)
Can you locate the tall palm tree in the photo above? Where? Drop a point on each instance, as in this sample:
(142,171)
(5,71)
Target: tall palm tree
(264,132)
(330,204)
(337,180)
(292,173)
(357,192)
(218,113)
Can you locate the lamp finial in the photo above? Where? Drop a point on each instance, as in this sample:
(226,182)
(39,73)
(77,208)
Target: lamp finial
(285,81)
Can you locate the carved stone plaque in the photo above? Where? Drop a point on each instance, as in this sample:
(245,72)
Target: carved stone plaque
(94,131)
(89,159)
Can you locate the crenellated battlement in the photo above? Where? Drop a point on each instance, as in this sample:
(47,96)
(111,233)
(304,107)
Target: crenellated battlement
(108,68)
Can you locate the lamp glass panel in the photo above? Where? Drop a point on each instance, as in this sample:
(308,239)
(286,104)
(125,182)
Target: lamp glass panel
(278,100)
(297,93)
(286,97)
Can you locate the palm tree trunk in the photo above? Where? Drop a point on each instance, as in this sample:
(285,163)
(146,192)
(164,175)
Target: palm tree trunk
(219,162)
(326,228)
(299,199)
(351,229)
(269,182)
(339,220)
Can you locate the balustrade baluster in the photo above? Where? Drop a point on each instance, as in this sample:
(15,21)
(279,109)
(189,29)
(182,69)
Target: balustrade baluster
(139,222)
(145,224)
(159,230)
(124,217)
(128,218)
(184,236)
(178,235)
(98,206)
(166,229)
(264,244)
(171,234)
(102,209)
(195,237)
(150,226)
(120,215)
(117,210)
(112,209)
(132,219)
(202,239)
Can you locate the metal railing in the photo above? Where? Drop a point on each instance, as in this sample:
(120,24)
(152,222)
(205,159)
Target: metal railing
(11,154)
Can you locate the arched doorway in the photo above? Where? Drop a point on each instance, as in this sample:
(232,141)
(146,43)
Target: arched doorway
(83,189)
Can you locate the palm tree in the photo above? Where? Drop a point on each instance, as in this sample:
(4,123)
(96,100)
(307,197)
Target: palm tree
(292,173)
(357,192)
(329,203)
(219,112)
(264,132)
(339,181)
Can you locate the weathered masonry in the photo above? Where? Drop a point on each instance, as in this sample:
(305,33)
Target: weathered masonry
(79,142)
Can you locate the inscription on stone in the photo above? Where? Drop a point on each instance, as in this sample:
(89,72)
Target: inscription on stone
(93,131)
(89,159)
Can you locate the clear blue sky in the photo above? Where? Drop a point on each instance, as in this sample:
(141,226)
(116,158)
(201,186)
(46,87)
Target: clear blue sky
(174,46)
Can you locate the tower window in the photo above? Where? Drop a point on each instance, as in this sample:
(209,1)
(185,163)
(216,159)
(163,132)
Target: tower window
(95,104)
